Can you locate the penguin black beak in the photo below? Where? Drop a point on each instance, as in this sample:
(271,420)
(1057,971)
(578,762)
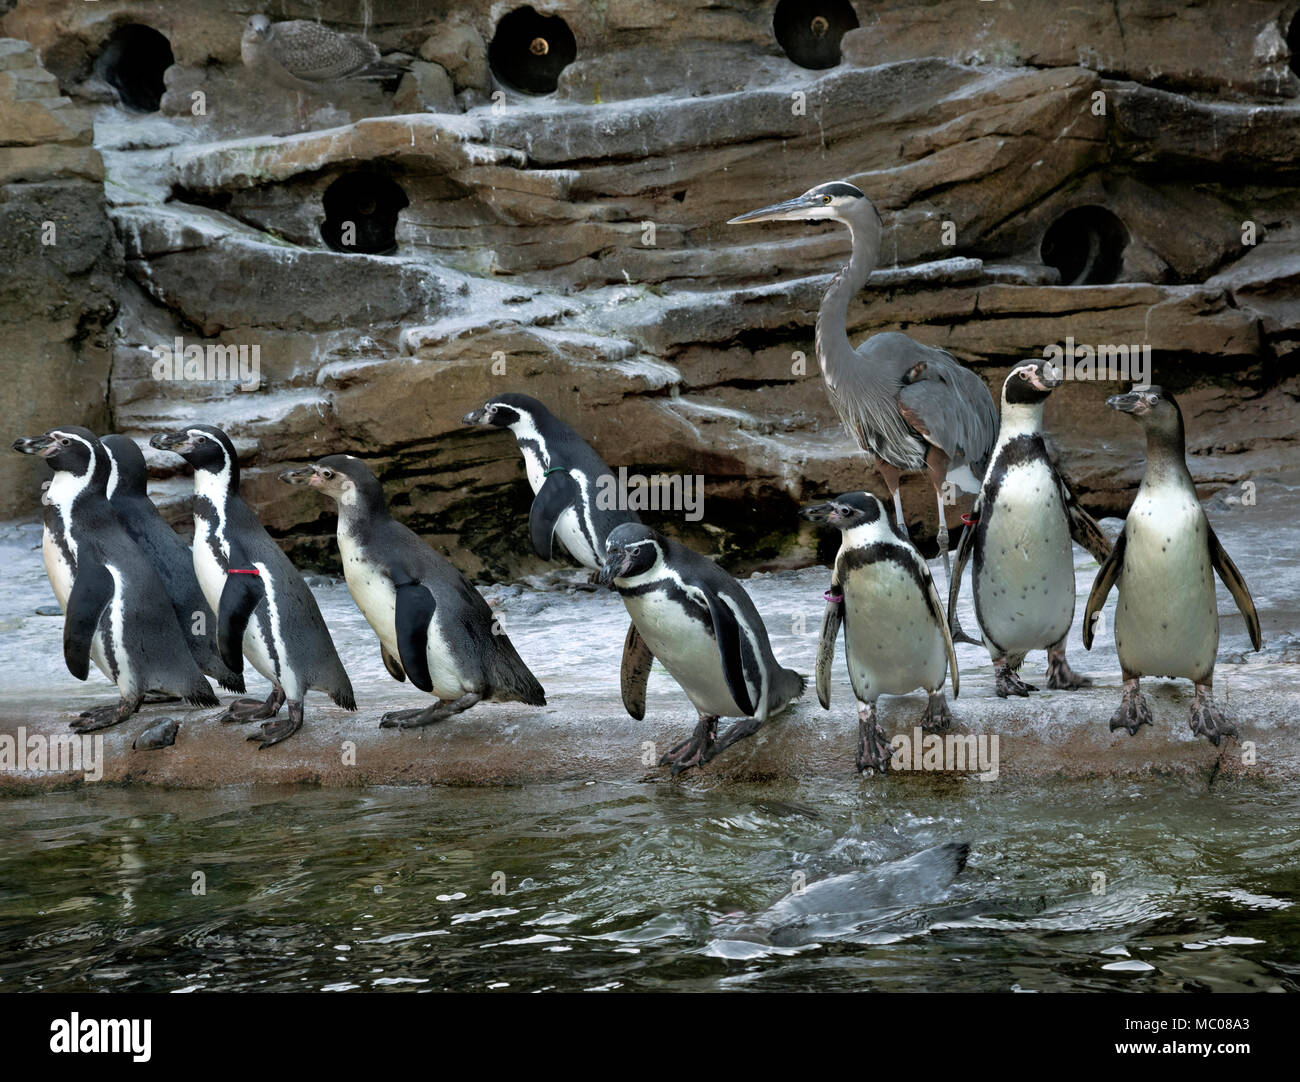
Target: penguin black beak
(176,442)
(473,417)
(616,564)
(1125,403)
(818,512)
(1049,377)
(300,476)
(35,445)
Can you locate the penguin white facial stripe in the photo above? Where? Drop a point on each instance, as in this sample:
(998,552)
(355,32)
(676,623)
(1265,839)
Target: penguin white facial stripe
(113,476)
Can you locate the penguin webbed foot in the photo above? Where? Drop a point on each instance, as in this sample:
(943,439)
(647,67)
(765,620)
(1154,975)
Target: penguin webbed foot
(244,710)
(273,732)
(1008,682)
(1132,714)
(745,727)
(1207,719)
(430,715)
(153,698)
(937,716)
(1060,677)
(695,749)
(874,751)
(101,717)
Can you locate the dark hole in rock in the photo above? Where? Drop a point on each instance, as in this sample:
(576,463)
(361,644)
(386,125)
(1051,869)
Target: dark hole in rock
(132,62)
(1086,245)
(361,213)
(529,51)
(810,30)
(1293,43)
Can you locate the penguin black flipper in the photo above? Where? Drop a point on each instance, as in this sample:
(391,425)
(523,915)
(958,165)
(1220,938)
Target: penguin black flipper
(393,666)
(731,647)
(832,618)
(415,607)
(1236,585)
(635,672)
(936,611)
(556,496)
(92,590)
(1107,576)
(242,593)
(964,549)
(1083,527)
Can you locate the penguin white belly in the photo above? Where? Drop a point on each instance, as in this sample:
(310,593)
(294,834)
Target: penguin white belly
(1167,616)
(686,649)
(1025,587)
(891,641)
(373,590)
(57,569)
(569,532)
(212,579)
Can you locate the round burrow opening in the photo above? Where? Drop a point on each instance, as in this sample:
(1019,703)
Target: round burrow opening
(361,212)
(810,30)
(1086,245)
(1293,43)
(529,51)
(132,62)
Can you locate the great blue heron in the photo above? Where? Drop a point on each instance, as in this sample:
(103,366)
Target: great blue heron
(914,408)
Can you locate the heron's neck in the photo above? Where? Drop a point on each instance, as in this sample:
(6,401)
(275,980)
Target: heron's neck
(832,318)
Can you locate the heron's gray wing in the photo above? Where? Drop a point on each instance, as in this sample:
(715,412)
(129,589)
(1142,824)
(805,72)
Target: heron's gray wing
(1236,586)
(318,54)
(951,407)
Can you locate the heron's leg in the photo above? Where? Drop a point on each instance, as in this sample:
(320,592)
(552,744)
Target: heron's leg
(943,541)
(936,464)
(892,477)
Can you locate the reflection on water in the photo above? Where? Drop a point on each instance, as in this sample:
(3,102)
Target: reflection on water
(1160,886)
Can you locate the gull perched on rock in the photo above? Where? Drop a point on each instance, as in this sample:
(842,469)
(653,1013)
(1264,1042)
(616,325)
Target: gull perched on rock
(306,57)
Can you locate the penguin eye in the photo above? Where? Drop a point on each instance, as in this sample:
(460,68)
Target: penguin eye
(201,439)
(1024,373)
(327,474)
(65,441)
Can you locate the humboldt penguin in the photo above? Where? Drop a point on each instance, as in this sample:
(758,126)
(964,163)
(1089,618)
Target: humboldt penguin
(1024,518)
(567,477)
(263,606)
(896,638)
(128,495)
(117,610)
(1166,617)
(702,626)
(433,626)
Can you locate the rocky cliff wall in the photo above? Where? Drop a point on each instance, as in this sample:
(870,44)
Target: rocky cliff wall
(540,207)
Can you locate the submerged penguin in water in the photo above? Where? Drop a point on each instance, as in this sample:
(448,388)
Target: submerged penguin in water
(845,905)
(433,626)
(1167,616)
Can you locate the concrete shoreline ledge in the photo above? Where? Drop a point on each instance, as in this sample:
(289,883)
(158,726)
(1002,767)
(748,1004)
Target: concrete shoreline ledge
(1060,736)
